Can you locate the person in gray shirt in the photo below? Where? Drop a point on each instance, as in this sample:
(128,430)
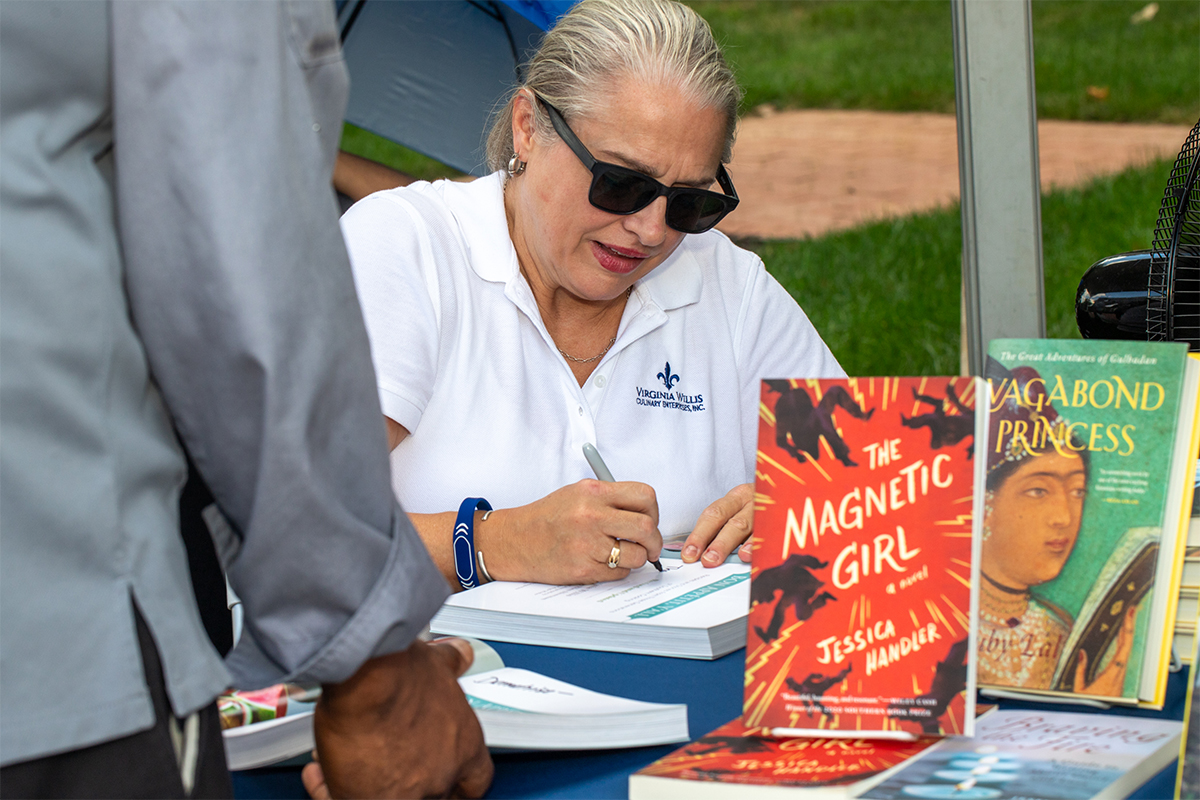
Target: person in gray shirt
(171,271)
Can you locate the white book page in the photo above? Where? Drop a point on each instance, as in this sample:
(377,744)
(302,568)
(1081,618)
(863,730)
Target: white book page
(522,690)
(682,595)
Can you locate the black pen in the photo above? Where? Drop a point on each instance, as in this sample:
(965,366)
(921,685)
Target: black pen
(601,469)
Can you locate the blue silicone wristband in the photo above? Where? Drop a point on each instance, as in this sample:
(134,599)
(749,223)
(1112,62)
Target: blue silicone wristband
(464,541)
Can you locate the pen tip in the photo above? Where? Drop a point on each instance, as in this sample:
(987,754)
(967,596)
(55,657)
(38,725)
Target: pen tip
(657,565)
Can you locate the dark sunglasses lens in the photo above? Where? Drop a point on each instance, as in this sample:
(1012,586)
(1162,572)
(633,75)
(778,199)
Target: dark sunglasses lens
(622,192)
(696,212)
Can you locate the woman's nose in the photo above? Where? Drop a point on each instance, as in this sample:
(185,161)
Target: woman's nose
(650,224)
(1061,509)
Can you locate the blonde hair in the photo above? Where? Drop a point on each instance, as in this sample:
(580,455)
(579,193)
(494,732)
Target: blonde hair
(599,42)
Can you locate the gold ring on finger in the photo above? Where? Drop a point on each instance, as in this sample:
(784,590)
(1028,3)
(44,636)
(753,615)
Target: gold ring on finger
(614,557)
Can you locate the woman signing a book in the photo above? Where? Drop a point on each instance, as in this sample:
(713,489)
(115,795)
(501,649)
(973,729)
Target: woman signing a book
(1037,477)
(579,294)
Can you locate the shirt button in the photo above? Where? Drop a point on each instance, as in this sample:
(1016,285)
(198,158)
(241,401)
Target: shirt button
(581,411)
(600,381)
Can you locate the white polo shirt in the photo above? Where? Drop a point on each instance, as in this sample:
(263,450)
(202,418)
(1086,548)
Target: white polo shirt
(465,363)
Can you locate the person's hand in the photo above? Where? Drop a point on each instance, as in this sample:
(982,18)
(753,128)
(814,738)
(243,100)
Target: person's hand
(400,727)
(724,525)
(568,535)
(1110,682)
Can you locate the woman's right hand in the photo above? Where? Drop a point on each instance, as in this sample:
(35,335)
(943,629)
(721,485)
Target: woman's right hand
(568,535)
(564,538)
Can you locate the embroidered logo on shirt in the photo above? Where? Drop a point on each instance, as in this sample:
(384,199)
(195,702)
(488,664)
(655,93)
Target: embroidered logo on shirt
(669,399)
(667,378)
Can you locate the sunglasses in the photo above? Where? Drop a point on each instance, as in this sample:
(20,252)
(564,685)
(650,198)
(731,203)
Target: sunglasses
(620,190)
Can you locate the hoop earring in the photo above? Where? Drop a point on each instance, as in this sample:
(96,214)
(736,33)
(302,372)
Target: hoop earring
(515,166)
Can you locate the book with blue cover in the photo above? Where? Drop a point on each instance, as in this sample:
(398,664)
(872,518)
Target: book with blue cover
(1039,755)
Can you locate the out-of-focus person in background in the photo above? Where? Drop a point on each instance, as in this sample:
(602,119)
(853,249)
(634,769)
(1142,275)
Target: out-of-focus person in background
(172,276)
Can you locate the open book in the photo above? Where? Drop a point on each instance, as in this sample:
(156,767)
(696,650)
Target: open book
(522,710)
(518,710)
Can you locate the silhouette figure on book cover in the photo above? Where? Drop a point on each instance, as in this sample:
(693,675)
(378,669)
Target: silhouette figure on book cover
(796,586)
(944,430)
(814,686)
(799,425)
(949,678)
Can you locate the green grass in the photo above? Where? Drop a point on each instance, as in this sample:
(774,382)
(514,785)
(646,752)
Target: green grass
(886,56)
(1152,70)
(897,55)
(366,144)
(885,296)
(1112,215)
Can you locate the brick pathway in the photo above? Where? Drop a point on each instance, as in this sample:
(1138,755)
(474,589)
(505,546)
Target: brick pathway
(804,173)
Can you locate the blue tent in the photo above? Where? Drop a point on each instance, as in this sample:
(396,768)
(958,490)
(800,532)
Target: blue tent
(428,74)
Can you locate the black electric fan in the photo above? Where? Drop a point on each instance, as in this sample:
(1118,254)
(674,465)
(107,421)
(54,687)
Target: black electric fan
(1153,294)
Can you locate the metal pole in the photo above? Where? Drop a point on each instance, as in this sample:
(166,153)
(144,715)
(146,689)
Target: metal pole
(998,173)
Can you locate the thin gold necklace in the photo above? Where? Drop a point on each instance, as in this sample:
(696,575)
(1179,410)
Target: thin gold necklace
(596,357)
(602,353)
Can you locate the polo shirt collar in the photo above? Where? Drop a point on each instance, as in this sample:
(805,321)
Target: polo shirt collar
(676,282)
(479,207)
(673,284)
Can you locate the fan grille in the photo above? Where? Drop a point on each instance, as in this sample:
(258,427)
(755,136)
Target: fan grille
(1173,311)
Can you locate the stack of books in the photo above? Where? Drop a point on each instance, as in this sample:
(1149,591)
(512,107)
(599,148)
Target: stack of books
(685,611)
(1014,755)
(1187,776)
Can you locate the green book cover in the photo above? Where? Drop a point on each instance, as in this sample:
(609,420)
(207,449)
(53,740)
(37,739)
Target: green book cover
(1081,449)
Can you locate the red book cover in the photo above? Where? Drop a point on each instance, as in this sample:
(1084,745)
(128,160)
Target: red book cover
(861,598)
(746,757)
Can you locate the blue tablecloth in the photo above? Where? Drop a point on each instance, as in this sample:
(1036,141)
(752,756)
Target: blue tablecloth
(712,691)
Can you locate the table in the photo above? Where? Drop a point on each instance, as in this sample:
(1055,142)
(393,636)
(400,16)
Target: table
(712,691)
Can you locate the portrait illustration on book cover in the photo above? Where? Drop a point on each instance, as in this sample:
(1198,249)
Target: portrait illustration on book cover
(1079,445)
(1035,493)
(861,585)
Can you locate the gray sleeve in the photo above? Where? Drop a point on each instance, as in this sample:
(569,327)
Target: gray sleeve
(226,117)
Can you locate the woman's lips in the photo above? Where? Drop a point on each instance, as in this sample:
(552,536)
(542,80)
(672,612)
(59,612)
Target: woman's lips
(617,259)
(1058,545)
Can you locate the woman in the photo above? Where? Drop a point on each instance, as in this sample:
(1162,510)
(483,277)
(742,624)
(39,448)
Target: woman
(562,301)
(1034,504)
